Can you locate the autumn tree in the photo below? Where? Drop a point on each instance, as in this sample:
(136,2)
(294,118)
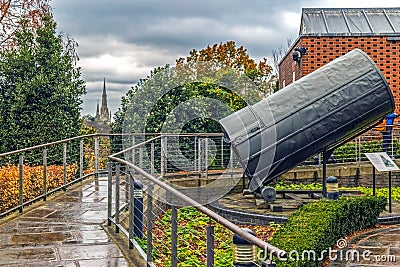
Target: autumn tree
(212,67)
(40,88)
(227,55)
(13,11)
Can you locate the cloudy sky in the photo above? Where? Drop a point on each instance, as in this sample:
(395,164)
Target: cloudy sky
(122,40)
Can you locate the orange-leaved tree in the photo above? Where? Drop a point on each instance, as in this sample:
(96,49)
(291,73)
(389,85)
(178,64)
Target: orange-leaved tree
(13,11)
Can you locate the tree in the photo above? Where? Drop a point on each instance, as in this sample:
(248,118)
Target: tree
(13,11)
(40,88)
(213,68)
(279,53)
(227,55)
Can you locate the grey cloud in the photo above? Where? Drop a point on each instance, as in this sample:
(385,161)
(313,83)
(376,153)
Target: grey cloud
(123,40)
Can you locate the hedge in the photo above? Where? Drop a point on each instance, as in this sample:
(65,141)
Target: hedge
(32,182)
(318,225)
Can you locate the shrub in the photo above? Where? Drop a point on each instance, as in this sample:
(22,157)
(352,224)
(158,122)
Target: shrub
(318,225)
(32,182)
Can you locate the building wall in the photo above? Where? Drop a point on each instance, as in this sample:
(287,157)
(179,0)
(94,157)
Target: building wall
(288,66)
(323,49)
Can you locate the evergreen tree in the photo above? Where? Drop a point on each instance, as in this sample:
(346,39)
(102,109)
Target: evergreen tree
(40,88)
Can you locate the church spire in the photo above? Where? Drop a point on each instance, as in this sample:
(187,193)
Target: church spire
(97,111)
(104,96)
(104,113)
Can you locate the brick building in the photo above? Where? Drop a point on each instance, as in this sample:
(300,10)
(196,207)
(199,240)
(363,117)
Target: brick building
(330,32)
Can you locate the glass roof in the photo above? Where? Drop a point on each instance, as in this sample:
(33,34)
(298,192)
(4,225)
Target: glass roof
(350,21)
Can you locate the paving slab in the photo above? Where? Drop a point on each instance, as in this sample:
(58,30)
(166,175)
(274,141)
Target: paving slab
(65,231)
(378,247)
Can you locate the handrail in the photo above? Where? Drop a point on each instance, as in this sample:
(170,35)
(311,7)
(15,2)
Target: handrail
(231,226)
(135,146)
(47,144)
(103,134)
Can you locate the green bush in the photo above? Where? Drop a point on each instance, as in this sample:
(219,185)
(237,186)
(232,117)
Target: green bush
(318,225)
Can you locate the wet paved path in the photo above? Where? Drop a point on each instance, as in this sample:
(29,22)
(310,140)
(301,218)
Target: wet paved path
(65,231)
(380,247)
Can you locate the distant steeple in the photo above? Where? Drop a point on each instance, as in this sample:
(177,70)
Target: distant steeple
(104,113)
(97,112)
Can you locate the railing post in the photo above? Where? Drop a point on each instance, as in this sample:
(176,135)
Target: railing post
(206,156)
(109,194)
(149,223)
(128,173)
(222,152)
(199,157)
(152,159)
(141,157)
(81,160)
(96,156)
(231,160)
(133,150)
(131,211)
(45,174)
(21,183)
(210,245)
(166,154)
(65,166)
(356,146)
(117,188)
(195,154)
(163,167)
(391,142)
(174,236)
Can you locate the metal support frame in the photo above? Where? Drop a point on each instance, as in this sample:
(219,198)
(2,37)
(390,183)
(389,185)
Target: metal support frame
(326,155)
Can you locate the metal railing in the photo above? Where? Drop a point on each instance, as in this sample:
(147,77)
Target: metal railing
(141,193)
(354,150)
(32,174)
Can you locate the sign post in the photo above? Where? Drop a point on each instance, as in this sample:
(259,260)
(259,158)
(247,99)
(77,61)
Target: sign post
(383,163)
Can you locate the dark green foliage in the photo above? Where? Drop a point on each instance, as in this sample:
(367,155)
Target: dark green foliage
(347,152)
(40,89)
(318,225)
